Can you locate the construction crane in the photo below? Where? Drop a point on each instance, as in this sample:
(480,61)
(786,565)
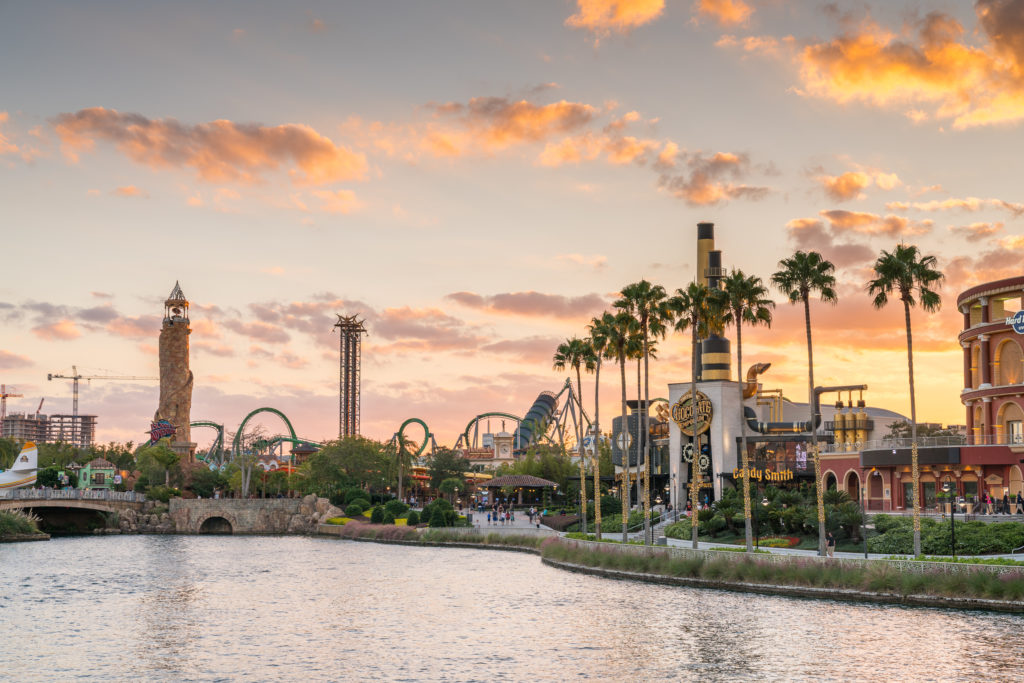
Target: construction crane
(40,408)
(75,376)
(3,405)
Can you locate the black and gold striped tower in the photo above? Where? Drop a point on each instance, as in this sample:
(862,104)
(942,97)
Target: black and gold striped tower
(713,355)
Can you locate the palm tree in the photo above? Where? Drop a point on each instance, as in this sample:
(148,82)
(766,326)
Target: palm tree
(403,459)
(700,309)
(574,353)
(745,297)
(801,275)
(649,305)
(620,329)
(907,272)
(599,331)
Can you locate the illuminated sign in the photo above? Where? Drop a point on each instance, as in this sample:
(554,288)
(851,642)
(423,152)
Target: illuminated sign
(1016,321)
(764,475)
(160,429)
(682,414)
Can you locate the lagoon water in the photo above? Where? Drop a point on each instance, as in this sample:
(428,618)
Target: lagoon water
(205,608)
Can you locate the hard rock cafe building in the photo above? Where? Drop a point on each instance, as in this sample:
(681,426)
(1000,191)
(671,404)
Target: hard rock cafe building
(858,454)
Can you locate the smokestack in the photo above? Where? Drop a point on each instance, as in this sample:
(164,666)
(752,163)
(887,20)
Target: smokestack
(713,353)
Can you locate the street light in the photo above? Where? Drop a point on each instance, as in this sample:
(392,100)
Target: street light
(757,523)
(946,488)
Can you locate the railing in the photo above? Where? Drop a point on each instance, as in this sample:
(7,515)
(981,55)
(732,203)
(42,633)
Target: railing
(72,494)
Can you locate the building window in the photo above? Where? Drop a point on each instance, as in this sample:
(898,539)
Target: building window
(1010,363)
(1015,431)
(98,478)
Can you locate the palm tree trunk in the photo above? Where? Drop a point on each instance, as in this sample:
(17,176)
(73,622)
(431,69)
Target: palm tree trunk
(647,450)
(597,450)
(743,435)
(814,431)
(694,466)
(579,452)
(915,472)
(624,432)
(639,424)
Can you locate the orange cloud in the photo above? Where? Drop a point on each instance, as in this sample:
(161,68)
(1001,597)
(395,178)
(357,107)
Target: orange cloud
(707,179)
(141,327)
(873,224)
(725,12)
(601,17)
(595,261)
(338,201)
(972,85)
(62,330)
(219,150)
(975,232)
(128,191)
(955,203)
(810,234)
(258,329)
(845,186)
(6,146)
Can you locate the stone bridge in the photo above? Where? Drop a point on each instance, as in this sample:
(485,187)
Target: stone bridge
(82,499)
(237,516)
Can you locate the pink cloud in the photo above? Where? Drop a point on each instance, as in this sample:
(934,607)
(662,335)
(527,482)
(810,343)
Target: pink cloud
(13,361)
(534,304)
(219,151)
(62,330)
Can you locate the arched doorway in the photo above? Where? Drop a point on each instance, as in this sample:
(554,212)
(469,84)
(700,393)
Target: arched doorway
(875,486)
(830,481)
(1016,482)
(215,525)
(853,485)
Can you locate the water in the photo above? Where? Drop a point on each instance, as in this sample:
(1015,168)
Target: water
(200,608)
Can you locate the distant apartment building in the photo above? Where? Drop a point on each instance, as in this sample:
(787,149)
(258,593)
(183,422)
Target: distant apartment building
(78,430)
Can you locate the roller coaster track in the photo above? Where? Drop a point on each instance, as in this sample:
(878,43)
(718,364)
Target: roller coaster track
(216,451)
(236,446)
(476,421)
(399,436)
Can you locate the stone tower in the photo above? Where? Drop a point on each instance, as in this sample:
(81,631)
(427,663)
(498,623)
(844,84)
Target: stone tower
(175,377)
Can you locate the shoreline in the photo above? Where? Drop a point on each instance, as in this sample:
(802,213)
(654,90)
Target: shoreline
(793,591)
(24,538)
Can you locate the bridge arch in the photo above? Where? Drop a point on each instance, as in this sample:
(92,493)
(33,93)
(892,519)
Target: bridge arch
(216,524)
(236,446)
(215,527)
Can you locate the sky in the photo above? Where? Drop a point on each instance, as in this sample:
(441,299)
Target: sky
(479,180)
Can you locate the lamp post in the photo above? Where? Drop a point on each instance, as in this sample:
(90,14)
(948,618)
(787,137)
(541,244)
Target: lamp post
(946,488)
(757,523)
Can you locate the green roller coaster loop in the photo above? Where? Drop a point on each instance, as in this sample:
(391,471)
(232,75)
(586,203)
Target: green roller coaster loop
(476,419)
(426,434)
(236,446)
(217,447)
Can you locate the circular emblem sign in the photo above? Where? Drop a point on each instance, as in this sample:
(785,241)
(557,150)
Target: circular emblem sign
(1016,321)
(682,414)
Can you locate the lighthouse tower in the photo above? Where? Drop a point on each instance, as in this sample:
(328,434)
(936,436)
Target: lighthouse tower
(172,417)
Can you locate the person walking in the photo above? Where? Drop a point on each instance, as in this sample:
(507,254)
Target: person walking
(830,544)
(488,518)
(1020,504)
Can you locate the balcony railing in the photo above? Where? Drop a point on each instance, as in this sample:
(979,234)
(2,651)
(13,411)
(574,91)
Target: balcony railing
(998,439)
(72,494)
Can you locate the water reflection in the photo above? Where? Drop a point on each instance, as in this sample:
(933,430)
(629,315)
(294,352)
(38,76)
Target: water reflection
(204,608)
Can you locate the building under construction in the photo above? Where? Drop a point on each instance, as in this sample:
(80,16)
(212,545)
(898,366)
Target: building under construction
(351,331)
(77,430)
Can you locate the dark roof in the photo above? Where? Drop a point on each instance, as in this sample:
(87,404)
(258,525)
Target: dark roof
(100,463)
(519,480)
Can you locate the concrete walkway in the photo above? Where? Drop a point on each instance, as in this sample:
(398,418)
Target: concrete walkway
(706,545)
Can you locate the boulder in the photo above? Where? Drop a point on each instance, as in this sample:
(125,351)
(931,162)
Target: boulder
(331,511)
(298,524)
(321,505)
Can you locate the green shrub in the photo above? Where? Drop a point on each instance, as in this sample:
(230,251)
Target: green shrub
(355,493)
(413,519)
(388,518)
(354,509)
(438,518)
(377,516)
(885,523)
(610,505)
(396,507)
(162,493)
(679,530)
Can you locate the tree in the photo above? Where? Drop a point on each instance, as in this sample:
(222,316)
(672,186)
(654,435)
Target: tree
(747,303)
(598,341)
(911,275)
(620,329)
(698,309)
(649,305)
(446,464)
(451,486)
(800,276)
(205,481)
(573,353)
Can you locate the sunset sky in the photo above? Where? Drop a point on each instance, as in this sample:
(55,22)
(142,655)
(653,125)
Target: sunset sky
(478,180)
